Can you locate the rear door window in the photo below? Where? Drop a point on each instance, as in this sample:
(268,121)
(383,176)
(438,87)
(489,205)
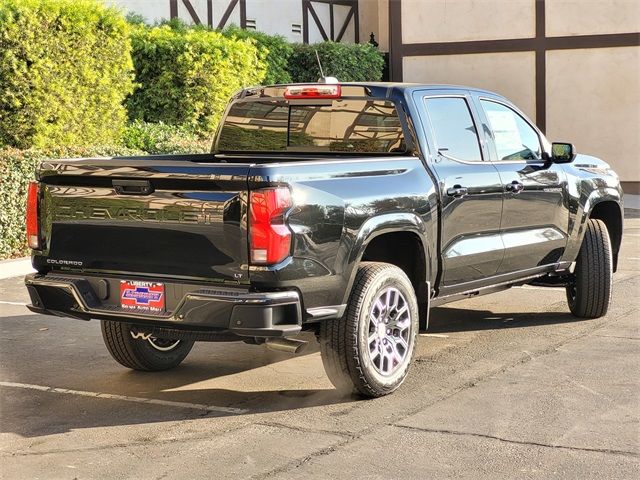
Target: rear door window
(453,128)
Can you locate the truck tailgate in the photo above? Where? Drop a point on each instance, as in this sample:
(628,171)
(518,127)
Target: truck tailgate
(145,217)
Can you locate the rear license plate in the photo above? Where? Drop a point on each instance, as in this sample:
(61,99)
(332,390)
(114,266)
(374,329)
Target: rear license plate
(142,296)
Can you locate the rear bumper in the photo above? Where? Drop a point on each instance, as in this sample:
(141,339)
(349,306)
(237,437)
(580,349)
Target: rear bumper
(225,310)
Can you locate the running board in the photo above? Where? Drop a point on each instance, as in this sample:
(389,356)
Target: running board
(476,292)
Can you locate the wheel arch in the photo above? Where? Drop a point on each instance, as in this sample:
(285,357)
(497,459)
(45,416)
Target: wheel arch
(603,204)
(395,238)
(610,213)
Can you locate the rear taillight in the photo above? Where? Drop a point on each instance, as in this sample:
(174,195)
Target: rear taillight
(269,237)
(33,225)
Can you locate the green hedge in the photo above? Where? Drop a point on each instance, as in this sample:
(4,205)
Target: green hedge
(17,169)
(277,52)
(65,70)
(186,77)
(348,62)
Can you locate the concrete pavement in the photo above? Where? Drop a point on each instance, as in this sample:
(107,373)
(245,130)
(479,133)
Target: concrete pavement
(15,267)
(504,386)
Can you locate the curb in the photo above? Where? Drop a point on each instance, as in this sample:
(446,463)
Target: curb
(631,201)
(15,268)
(631,213)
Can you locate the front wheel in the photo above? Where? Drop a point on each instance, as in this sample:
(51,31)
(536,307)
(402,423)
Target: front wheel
(142,352)
(370,348)
(589,292)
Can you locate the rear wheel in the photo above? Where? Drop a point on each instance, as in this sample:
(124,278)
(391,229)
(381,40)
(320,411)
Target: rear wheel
(370,348)
(589,293)
(139,351)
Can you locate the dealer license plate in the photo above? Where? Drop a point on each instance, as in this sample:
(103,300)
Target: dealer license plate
(142,296)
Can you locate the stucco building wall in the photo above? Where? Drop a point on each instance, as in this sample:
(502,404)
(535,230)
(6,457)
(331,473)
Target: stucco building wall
(572,65)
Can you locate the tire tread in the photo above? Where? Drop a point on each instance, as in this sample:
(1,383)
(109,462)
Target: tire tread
(339,338)
(136,354)
(593,273)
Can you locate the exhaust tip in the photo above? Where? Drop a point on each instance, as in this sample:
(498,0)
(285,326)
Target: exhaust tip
(285,345)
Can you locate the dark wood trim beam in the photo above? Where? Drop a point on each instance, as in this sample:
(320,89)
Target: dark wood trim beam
(210,13)
(345,25)
(541,66)
(348,3)
(606,40)
(356,21)
(332,27)
(243,13)
(540,16)
(473,46)
(316,19)
(522,44)
(173,8)
(305,21)
(192,12)
(227,13)
(396,48)
(541,90)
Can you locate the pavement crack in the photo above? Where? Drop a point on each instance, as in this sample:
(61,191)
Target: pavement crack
(517,442)
(297,463)
(304,430)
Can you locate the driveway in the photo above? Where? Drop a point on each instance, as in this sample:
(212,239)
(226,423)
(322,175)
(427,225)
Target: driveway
(504,386)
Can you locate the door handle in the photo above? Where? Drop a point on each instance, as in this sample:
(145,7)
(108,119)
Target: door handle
(514,187)
(457,191)
(132,187)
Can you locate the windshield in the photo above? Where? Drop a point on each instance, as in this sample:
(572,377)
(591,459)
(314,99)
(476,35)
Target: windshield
(344,125)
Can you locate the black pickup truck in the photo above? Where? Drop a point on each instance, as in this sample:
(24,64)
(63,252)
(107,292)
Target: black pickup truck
(344,209)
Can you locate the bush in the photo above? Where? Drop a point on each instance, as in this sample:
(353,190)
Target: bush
(17,169)
(162,138)
(135,18)
(65,70)
(277,51)
(274,49)
(186,77)
(358,62)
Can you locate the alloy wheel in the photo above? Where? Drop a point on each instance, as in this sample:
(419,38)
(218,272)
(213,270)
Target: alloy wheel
(389,331)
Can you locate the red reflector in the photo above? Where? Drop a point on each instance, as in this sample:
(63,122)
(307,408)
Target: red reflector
(313,91)
(33,226)
(269,237)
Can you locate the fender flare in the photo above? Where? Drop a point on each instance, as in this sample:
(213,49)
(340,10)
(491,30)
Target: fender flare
(379,225)
(600,195)
(606,194)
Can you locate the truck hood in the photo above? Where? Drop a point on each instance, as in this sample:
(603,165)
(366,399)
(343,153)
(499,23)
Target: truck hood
(593,165)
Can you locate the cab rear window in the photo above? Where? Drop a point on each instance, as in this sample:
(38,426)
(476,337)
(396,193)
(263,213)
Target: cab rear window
(344,125)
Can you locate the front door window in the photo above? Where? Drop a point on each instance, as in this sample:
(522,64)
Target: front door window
(513,137)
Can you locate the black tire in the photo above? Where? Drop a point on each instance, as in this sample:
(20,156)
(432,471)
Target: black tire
(589,294)
(141,354)
(344,342)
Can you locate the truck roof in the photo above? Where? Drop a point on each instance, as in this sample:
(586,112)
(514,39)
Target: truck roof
(390,87)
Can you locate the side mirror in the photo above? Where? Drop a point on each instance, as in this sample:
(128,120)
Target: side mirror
(562,152)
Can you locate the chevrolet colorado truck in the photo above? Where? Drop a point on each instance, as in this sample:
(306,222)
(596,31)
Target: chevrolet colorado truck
(346,209)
